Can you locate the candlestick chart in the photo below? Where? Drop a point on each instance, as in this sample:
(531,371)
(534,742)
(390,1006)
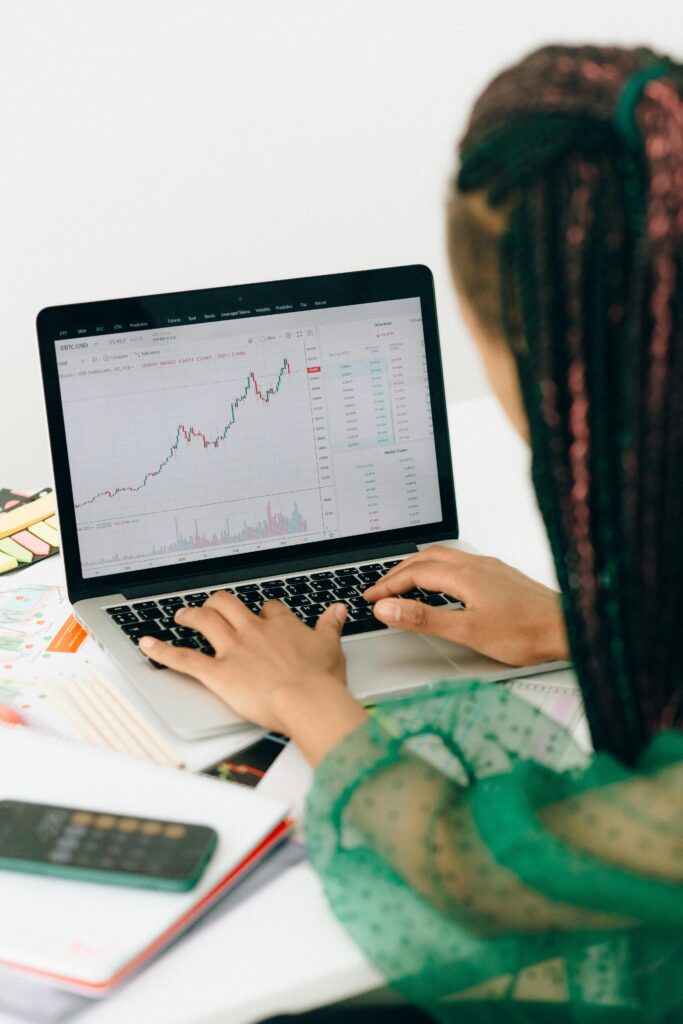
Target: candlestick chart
(196,461)
(191,434)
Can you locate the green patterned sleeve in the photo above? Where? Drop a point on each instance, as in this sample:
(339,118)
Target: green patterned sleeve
(477,855)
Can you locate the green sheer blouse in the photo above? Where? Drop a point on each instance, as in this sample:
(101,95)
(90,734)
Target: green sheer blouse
(495,872)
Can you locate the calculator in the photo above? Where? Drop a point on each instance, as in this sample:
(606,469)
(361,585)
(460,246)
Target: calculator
(97,846)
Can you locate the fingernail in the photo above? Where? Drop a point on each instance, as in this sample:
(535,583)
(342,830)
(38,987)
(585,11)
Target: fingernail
(388,611)
(181,611)
(340,612)
(146,642)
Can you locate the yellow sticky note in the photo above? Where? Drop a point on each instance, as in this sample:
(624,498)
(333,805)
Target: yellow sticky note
(24,515)
(46,533)
(7,563)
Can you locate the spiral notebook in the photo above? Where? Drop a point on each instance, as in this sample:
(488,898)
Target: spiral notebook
(88,938)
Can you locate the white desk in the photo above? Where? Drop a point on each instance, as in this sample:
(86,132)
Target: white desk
(281,950)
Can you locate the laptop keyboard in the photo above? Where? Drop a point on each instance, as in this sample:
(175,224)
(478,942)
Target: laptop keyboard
(307,594)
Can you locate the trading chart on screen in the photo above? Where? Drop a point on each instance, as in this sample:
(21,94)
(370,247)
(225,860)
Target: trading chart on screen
(211,439)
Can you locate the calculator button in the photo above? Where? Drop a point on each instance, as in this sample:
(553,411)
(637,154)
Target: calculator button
(151,828)
(175,831)
(81,818)
(105,821)
(65,845)
(59,856)
(75,831)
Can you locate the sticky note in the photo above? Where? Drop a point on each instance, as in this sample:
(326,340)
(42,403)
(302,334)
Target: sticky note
(34,544)
(14,550)
(46,533)
(7,563)
(24,515)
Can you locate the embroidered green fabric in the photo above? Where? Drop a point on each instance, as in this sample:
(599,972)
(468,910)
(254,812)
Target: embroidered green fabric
(493,871)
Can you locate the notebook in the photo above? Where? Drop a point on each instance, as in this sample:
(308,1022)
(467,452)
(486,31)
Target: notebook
(87,937)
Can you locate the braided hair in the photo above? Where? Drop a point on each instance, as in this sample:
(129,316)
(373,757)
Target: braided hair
(575,157)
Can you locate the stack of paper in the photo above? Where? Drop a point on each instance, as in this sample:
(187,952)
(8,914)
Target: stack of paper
(88,937)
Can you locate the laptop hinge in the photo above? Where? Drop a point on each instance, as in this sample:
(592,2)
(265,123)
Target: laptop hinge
(202,580)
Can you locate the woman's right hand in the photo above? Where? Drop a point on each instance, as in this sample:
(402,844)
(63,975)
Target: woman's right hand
(507,615)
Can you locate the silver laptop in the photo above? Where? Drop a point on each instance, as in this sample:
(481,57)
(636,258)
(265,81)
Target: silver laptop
(286,439)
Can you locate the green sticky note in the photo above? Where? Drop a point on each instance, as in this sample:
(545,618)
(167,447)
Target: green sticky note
(14,550)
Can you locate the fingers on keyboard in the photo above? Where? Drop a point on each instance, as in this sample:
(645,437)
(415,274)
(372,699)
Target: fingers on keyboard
(307,595)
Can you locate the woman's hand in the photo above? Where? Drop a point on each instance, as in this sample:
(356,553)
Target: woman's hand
(507,615)
(271,668)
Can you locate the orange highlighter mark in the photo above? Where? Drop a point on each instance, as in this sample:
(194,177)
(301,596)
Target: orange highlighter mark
(68,639)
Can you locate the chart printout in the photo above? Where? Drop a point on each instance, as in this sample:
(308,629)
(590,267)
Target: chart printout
(230,437)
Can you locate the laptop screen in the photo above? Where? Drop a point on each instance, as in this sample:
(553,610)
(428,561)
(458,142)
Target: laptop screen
(224,437)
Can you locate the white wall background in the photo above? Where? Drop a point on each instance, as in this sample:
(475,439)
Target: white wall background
(153,145)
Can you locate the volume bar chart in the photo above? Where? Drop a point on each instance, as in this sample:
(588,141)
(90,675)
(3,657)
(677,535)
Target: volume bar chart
(235,531)
(274,524)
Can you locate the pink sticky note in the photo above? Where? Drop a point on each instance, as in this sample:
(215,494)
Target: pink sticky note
(34,544)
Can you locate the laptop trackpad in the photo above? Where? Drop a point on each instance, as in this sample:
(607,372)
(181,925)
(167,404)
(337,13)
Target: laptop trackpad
(393,662)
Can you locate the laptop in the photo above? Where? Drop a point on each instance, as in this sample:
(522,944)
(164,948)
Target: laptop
(286,439)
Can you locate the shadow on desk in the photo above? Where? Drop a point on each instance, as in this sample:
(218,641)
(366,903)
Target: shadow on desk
(381,1007)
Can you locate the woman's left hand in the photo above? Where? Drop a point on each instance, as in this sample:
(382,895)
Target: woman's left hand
(271,668)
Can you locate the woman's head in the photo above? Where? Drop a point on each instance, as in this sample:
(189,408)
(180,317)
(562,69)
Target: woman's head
(566,242)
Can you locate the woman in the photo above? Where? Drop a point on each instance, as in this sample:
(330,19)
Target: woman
(491,870)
